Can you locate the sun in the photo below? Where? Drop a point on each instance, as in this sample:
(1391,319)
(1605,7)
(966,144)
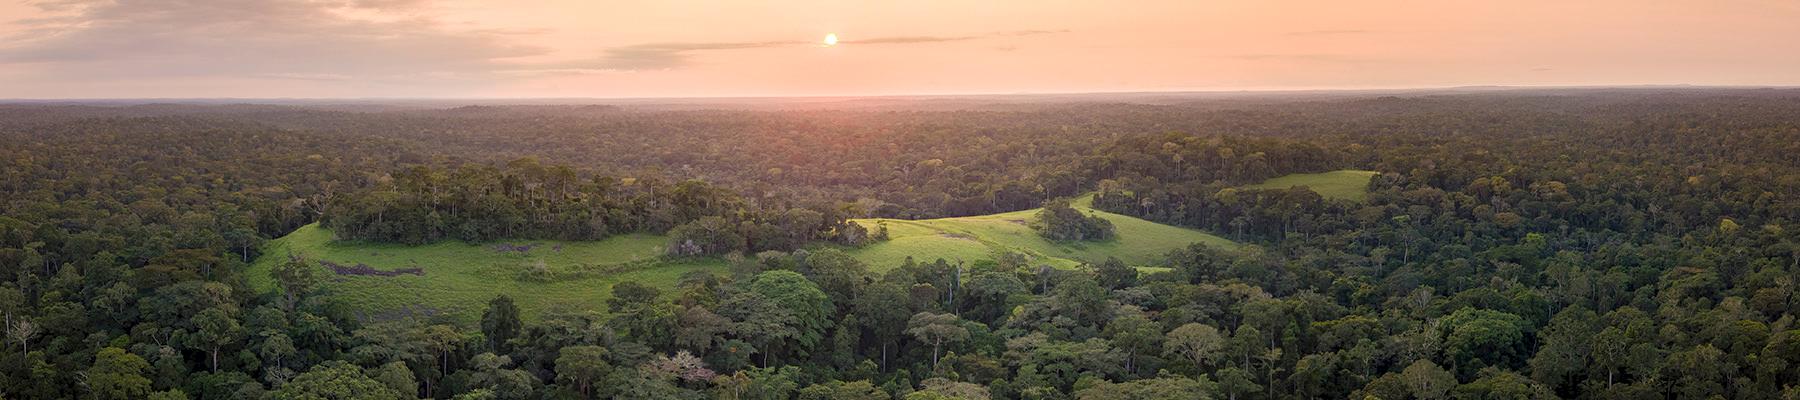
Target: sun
(831,39)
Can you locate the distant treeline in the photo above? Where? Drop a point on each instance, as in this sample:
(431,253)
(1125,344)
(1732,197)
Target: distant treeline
(525,199)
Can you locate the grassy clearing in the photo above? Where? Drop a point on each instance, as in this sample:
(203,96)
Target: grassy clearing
(1139,242)
(460,278)
(1347,184)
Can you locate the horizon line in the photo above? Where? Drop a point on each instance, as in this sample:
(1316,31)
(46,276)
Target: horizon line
(1319,90)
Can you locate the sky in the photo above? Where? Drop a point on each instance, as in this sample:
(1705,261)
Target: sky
(61,49)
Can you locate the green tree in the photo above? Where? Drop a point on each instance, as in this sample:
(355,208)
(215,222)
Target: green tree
(1135,334)
(335,380)
(397,376)
(945,389)
(488,371)
(441,340)
(500,323)
(296,277)
(1502,384)
(1477,338)
(883,310)
(811,308)
(1114,274)
(759,320)
(171,394)
(117,374)
(936,329)
(630,295)
(276,349)
(214,329)
(1160,388)
(1195,342)
(582,366)
(840,390)
(1565,347)
(1058,221)
(1427,381)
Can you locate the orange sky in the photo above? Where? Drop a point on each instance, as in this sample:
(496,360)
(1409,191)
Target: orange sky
(657,48)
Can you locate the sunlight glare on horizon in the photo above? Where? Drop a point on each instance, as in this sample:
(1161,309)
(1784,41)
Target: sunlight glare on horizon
(576,48)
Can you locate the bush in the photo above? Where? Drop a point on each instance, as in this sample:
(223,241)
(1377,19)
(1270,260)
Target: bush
(705,236)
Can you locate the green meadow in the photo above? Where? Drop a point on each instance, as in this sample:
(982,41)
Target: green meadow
(1139,242)
(1347,184)
(459,278)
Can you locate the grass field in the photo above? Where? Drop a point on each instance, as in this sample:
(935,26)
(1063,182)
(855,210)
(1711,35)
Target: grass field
(460,278)
(1347,184)
(1139,242)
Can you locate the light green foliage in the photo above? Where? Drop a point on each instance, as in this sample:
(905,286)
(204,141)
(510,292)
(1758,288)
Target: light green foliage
(945,389)
(398,377)
(936,329)
(117,374)
(1162,388)
(1350,185)
(838,390)
(1136,335)
(1426,381)
(581,366)
(460,278)
(335,380)
(215,329)
(171,394)
(1197,343)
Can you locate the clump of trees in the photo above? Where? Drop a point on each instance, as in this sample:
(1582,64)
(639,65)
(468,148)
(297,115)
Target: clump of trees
(528,200)
(1060,222)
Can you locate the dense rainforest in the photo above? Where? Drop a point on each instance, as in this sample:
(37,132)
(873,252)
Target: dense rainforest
(1582,244)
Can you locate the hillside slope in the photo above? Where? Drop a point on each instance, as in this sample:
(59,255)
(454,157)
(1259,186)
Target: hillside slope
(1139,242)
(458,279)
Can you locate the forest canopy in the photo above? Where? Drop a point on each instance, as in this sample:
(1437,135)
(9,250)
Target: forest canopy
(1517,244)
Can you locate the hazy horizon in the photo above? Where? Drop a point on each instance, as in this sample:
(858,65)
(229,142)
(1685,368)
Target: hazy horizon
(1022,96)
(561,49)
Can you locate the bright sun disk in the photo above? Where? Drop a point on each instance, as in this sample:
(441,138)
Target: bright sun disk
(831,39)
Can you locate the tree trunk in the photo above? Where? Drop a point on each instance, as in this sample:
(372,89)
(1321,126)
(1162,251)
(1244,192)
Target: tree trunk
(215,359)
(1129,355)
(934,352)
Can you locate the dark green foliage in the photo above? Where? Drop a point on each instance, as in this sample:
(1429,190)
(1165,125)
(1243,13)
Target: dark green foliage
(500,323)
(1582,245)
(1057,221)
(706,236)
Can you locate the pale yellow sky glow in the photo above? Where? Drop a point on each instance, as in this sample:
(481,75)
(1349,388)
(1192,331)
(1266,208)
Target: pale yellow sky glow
(586,48)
